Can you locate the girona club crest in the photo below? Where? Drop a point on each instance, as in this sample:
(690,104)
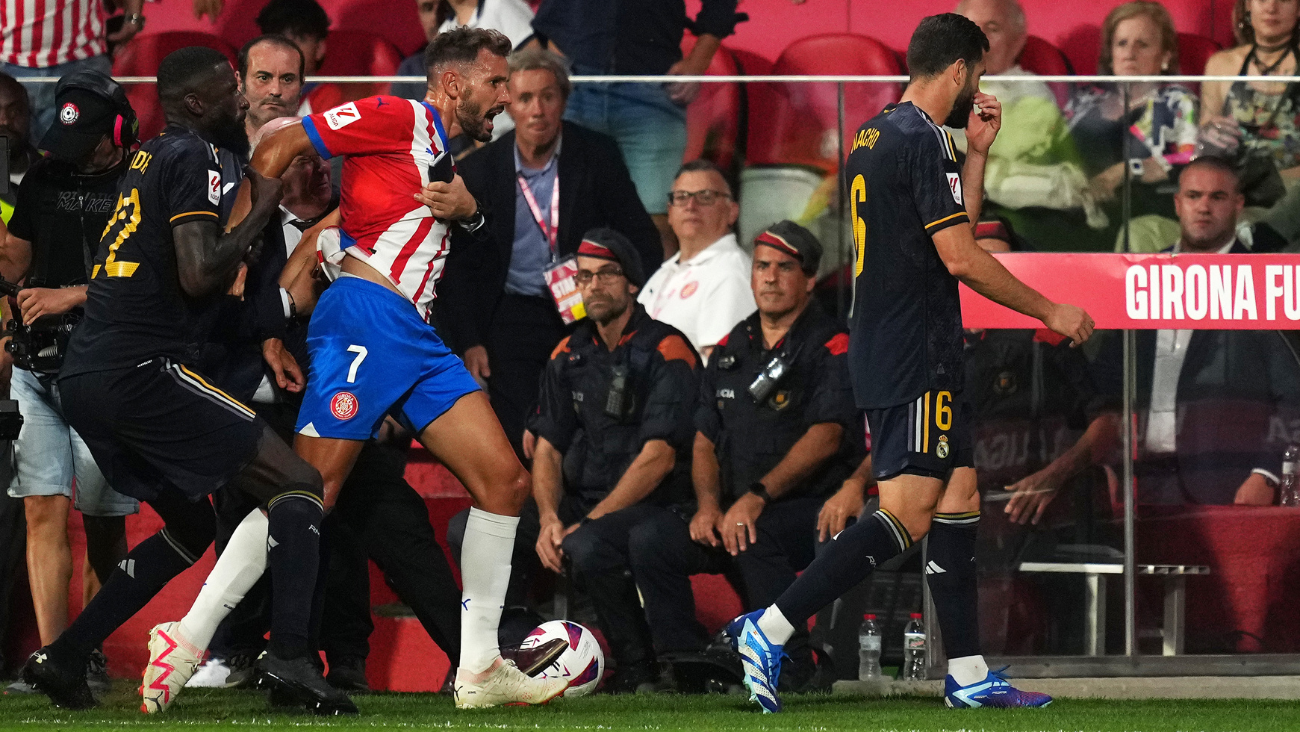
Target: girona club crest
(344,405)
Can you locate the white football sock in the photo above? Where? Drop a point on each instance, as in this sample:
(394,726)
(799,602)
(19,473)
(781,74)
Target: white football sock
(236,570)
(774,625)
(485,573)
(968,670)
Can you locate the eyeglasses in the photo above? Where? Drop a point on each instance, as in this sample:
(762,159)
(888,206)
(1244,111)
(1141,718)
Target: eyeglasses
(606,276)
(704,197)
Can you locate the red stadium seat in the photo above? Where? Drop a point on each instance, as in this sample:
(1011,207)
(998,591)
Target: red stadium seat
(1042,58)
(795,124)
(142,56)
(354,53)
(1194,51)
(713,119)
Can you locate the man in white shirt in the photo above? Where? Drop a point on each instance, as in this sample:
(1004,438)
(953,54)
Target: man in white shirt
(703,290)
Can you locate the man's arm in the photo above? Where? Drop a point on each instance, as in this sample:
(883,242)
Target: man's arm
(547,486)
(205,258)
(1032,494)
(273,156)
(15,257)
(981,129)
(646,472)
(706,476)
(980,271)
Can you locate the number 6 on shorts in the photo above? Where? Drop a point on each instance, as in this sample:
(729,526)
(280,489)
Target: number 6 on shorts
(356,362)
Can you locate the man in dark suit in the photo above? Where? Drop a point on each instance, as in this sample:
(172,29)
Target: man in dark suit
(495,306)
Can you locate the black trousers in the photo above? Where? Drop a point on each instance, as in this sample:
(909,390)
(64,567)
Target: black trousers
(13,549)
(664,561)
(600,555)
(524,331)
(378,516)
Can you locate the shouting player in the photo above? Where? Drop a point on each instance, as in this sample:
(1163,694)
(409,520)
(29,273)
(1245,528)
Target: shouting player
(914,209)
(160,432)
(372,350)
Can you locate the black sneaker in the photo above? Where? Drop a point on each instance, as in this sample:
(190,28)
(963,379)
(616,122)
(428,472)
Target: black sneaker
(67,688)
(297,679)
(534,660)
(349,674)
(243,671)
(97,673)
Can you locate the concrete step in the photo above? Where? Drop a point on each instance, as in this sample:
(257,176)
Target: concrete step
(1168,687)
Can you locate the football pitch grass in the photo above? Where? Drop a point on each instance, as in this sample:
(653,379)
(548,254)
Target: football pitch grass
(213,709)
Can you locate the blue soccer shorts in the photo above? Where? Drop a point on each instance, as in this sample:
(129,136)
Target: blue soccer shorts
(372,355)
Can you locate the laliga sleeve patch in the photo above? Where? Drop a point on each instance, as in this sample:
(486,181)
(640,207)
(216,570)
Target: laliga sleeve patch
(214,187)
(344,405)
(954,182)
(342,116)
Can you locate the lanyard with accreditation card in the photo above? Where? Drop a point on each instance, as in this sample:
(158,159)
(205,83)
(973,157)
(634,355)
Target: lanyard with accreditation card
(560,275)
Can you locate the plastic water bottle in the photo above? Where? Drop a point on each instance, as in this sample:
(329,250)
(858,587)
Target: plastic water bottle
(914,649)
(1289,491)
(868,648)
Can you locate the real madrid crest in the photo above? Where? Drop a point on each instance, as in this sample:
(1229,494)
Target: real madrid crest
(942,449)
(780,400)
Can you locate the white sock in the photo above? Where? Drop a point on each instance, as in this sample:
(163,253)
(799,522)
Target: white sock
(485,573)
(774,625)
(967,670)
(237,569)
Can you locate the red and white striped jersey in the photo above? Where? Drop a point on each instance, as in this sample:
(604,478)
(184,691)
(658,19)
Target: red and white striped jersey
(42,33)
(388,144)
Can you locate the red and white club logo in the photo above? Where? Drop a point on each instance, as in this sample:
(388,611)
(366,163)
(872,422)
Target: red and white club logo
(69,113)
(690,289)
(344,405)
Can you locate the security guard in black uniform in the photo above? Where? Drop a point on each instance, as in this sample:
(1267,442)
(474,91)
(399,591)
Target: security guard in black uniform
(777,434)
(612,462)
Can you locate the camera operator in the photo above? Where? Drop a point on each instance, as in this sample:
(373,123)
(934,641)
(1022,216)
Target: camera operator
(63,207)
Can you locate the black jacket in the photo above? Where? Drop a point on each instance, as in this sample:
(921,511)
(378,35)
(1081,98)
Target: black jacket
(751,438)
(601,428)
(595,190)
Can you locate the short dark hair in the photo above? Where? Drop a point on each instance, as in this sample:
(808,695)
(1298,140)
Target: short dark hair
(942,40)
(1220,164)
(539,59)
(184,69)
(294,18)
(274,40)
(702,165)
(462,46)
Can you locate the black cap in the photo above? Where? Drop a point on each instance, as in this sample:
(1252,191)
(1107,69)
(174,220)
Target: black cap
(612,245)
(794,240)
(82,120)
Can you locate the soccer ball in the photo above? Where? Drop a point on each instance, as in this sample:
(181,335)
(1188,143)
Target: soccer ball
(583,661)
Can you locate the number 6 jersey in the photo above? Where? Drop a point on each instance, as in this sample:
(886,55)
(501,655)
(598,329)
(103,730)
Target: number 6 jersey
(904,186)
(135,308)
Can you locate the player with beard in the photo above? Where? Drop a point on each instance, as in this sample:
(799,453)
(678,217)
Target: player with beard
(158,430)
(372,350)
(914,210)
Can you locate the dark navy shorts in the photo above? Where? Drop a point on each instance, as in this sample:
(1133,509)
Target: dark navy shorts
(928,436)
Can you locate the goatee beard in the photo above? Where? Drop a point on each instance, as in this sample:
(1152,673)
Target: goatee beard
(472,122)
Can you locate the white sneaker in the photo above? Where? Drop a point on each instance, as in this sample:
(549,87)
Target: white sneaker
(504,684)
(172,662)
(211,675)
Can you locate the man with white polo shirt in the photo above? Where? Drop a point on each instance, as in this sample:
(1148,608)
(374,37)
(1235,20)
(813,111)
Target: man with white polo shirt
(703,290)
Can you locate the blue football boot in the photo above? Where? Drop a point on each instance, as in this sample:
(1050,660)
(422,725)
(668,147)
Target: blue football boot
(760,658)
(993,691)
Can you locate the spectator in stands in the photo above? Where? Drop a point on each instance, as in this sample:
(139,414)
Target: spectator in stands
(632,38)
(1153,136)
(512,17)
(548,182)
(15,128)
(764,462)
(614,430)
(1033,174)
(1206,398)
(702,290)
(1257,124)
(54,38)
(306,24)
(270,76)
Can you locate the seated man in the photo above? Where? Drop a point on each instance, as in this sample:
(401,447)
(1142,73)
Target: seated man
(1206,399)
(777,432)
(613,447)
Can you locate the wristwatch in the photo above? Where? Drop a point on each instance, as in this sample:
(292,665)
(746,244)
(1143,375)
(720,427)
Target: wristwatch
(473,223)
(760,490)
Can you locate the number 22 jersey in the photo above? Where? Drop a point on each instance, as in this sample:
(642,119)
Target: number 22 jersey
(135,308)
(904,186)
